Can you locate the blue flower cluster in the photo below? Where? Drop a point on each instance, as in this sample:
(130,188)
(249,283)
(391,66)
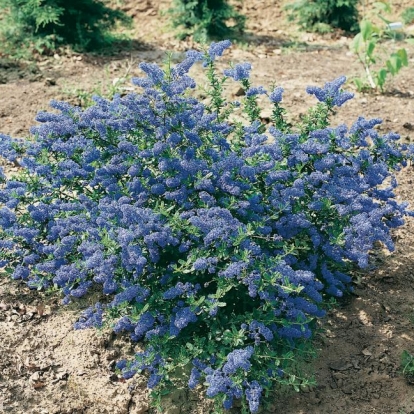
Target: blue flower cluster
(188,223)
(331,93)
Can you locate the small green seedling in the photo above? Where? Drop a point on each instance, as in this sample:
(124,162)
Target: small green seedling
(369,47)
(407,365)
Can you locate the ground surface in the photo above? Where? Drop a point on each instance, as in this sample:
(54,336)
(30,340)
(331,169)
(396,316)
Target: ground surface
(47,367)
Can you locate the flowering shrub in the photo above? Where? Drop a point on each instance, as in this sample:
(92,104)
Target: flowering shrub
(214,241)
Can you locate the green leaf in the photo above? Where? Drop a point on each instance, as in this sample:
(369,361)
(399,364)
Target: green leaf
(381,76)
(199,301)
(402,53)
(390,67)
(359,84)
(366,29)
(394,64)
(370,49)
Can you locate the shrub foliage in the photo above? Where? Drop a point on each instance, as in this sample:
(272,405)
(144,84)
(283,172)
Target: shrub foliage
(46,24)
(206,19)
(320,15)
(213,241)
(408,15)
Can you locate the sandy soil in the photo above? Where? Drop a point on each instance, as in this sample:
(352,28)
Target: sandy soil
(47,367)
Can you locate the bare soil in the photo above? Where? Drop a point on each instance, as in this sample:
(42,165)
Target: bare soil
(46,367)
